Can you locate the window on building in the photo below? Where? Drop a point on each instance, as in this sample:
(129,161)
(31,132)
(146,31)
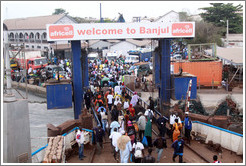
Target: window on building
(32,46)
(27,46)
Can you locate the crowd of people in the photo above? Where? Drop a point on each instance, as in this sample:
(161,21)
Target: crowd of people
(125,122)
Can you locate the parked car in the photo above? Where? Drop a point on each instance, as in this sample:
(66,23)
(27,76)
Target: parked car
(176,57)
(142,67)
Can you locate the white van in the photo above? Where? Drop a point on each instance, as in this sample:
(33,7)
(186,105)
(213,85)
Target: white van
(132,59)
(92,56)
(112,56)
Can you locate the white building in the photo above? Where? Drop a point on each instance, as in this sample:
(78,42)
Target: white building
(32,31)
(171,16)
(123,47)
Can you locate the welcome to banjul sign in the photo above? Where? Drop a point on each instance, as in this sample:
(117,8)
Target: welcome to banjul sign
(58,32)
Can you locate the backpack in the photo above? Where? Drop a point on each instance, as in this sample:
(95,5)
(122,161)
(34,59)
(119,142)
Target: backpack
(150,115)
(131,132)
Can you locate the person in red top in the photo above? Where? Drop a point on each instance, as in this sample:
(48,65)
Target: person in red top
(132,110)
(215,158)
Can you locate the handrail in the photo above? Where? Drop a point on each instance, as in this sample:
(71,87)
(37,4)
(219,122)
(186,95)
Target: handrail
(95,115)
(144,103)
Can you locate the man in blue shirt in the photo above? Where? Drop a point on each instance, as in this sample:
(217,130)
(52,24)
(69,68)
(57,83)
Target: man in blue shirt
(188,126)
(178,146)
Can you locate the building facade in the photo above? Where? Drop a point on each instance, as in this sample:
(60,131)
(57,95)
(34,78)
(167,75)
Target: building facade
(31,31)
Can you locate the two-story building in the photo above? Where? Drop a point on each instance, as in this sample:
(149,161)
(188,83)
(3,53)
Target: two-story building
(32,31)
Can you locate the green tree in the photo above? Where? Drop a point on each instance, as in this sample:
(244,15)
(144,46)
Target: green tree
(221,11)
(59,11)
(205,33)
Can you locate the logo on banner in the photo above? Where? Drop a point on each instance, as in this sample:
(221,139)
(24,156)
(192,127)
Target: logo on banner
(182,29)
(61,31)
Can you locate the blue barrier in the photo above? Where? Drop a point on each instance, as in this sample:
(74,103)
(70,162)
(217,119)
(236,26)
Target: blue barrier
(228,131)
(39,150)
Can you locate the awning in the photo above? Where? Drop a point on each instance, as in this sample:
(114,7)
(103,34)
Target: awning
(233,55)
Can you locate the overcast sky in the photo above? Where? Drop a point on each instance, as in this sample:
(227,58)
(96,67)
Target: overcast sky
(110,9)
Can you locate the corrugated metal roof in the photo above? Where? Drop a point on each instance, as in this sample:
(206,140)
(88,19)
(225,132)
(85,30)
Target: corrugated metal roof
(139,42)
(31,23)
(232,54)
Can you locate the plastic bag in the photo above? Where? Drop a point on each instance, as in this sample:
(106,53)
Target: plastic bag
(144,141)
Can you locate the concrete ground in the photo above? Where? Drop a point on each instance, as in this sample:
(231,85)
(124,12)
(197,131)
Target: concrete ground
(40,116)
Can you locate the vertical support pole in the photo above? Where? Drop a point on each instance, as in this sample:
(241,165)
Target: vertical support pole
(157,68)
(77,77)
(84,66)
(165,71)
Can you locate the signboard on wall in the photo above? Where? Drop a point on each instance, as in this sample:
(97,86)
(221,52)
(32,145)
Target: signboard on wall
(58,32)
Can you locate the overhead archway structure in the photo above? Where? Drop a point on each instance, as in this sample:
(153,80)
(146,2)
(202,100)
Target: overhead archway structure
(77,32)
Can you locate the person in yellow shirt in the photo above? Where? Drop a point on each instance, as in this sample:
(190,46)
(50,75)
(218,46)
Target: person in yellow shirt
(177,127)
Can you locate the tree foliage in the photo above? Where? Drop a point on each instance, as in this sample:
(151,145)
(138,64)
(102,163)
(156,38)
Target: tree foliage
(221,11)
(59,11)
(205,33)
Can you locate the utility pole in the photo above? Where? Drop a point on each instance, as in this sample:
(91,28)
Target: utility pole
(100,13)
(227,32)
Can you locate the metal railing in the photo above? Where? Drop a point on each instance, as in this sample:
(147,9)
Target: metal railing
(95,114)
(143,103)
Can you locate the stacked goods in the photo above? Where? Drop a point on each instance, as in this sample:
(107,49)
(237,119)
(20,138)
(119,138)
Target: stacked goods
(54,152)
(86,120)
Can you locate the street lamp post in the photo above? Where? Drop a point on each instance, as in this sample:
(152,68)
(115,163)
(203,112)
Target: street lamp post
(227,31)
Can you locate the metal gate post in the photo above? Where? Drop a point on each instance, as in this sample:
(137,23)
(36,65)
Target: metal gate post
(85,75)
(77,77)
(165,75)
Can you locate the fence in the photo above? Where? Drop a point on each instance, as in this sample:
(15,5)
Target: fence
(226,138)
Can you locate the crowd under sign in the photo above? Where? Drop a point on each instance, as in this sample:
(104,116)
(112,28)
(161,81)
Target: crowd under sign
(58,32)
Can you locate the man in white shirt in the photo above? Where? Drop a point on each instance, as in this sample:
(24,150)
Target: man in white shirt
(80,138)
(114,136)
(30,70)
(117,89)
(138,151)
(110,101)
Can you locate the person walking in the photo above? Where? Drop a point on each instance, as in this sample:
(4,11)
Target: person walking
(80,138)
(148,133)
(114,124)
(110,101)
(138,148)
(188,126)
(176,130)
(134,99)
(131,131)
(141,125)
(149,158)
(160,143)
(151,103)
(125,147)
(104,119)
(114,136)
(99,138)
(161,124)
(178,147)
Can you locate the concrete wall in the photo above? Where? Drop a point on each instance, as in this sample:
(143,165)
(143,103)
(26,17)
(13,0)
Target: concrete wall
(16,131)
